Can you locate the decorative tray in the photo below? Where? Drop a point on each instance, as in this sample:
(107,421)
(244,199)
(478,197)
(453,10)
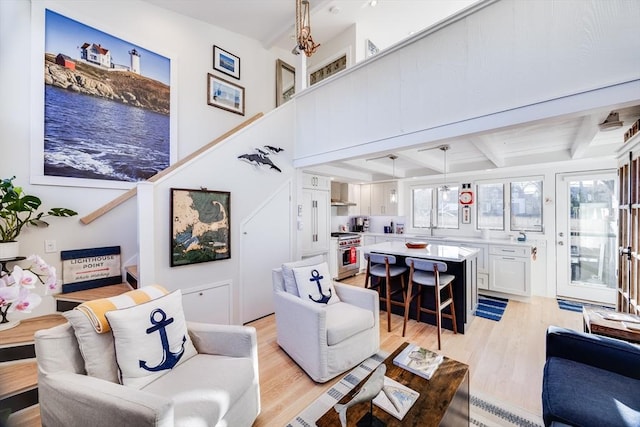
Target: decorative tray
(416,245)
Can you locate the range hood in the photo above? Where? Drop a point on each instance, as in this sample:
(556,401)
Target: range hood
(340,194)
(341,203)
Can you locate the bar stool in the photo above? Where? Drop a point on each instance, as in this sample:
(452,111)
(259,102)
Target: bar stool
(385,267)
(427,274)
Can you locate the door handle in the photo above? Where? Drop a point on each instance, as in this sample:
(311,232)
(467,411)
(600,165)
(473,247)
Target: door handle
(560,243)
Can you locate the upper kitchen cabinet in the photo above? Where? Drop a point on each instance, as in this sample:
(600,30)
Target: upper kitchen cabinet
(384,199)
(365,199)
(316,182)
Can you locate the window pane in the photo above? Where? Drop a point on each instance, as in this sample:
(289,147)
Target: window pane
(448,208)
(526,206)
(422,205)
(490,206)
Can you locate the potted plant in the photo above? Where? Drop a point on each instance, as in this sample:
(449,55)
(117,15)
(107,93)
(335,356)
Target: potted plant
(17,210)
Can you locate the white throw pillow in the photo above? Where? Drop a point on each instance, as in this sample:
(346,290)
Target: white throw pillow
(287,272)
(314,284)
(97,349)
(150,339)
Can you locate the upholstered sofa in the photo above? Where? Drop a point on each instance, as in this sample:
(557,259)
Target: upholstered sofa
(326,340)
(590,380)
(216,387)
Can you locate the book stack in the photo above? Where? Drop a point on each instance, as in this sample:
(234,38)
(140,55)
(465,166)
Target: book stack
(395,398)
(418,360)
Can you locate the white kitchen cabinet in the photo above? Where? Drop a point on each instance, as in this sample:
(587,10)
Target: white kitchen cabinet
(510,269)
(365,199)
(315,221)
(316,182)
(384,198)
(365,241)
(483,263)
(354,196)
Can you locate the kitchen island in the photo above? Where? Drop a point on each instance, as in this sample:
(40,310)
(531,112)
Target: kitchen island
(461,261)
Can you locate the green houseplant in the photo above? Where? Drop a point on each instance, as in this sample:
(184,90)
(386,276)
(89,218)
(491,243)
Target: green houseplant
(18,209)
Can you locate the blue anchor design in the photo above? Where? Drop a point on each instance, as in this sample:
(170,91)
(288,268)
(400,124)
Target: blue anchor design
(316,277)
(169,359)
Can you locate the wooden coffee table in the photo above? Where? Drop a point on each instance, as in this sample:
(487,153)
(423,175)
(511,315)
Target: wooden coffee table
(594,322)
(443,401)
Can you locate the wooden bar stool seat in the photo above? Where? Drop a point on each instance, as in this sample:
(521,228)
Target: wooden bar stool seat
(427,274)
(384,267)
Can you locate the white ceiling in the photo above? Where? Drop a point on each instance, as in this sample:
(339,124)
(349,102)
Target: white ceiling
(560,139)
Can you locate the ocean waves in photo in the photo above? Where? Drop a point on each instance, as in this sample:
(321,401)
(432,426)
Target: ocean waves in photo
(95,138)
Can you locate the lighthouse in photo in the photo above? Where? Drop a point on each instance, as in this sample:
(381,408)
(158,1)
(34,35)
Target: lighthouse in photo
(135,61)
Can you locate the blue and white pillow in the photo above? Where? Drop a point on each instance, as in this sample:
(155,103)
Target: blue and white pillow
(150,339)
(315,285)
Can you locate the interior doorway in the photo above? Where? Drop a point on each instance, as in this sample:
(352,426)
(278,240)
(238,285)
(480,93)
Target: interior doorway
(587,232)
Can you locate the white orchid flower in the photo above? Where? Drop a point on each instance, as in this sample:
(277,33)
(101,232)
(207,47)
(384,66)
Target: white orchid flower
(26,301)
(8,294)
(24,278)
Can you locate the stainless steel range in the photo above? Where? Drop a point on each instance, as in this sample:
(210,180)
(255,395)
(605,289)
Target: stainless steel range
(348,254)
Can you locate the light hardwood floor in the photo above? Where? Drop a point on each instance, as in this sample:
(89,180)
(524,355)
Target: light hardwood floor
(505,358)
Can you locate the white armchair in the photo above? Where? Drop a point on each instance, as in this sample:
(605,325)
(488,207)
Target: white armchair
(217,387)
(327,340)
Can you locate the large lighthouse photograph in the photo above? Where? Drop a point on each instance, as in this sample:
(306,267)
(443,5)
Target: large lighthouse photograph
(106,106)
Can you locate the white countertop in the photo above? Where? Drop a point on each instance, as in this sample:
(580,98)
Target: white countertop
(461,239)
(432,251)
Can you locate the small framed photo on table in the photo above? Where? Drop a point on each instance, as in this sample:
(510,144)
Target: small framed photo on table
(224,94)
(226,62)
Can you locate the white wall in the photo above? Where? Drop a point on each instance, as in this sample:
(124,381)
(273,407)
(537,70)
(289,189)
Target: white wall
(506,63)
(189,44)
(250,186)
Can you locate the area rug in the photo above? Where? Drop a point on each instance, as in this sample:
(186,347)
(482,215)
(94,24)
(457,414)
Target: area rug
(577,306)
(484,410)
(491,308)
(570,305)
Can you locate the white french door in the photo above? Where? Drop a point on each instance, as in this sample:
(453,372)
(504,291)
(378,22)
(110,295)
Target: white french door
(586,239)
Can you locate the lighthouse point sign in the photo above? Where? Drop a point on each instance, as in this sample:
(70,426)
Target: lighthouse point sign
(90,268)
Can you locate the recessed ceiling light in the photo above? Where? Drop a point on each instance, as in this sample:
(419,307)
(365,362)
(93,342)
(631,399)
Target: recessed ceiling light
(373,3)
(334,10)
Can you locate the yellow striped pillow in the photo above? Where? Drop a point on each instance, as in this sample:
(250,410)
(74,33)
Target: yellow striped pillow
(96,309)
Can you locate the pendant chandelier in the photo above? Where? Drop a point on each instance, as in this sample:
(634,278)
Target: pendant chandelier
(445,187)
(303,29)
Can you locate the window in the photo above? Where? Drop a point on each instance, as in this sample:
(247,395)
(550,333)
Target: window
(448,208)
(523,199)
(445,203)
(490,206)
(526,205)
(422,206)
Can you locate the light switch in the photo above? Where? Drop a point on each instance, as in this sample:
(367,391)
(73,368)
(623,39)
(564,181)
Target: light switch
(49,246)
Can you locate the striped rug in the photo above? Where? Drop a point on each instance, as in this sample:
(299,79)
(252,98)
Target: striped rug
(491,308)
(570,305)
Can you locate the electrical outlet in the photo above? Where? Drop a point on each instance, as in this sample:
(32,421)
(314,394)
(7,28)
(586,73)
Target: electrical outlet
(49,246)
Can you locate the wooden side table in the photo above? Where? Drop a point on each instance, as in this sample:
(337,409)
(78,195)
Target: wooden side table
(595,321)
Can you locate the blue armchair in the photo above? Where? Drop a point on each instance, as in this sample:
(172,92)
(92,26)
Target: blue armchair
(590,380)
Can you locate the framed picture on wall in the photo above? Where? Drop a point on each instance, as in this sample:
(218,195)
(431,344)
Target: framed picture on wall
(83,135)
(226,62)
(224,94)
(200,226)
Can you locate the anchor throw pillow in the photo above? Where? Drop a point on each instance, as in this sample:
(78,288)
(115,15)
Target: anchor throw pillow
(150,339)
(315,285)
